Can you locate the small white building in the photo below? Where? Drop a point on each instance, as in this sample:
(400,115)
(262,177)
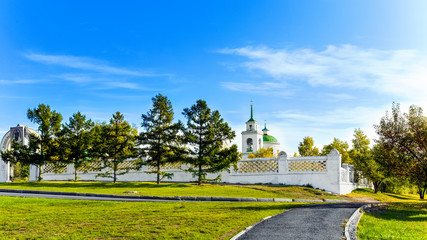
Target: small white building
(254,139)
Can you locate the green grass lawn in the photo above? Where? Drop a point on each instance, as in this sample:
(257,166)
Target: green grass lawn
(176,189)
(399,221)
(368,194)
(404,218)
(37,218)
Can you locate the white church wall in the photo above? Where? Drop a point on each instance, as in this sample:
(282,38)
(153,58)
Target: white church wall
(323,172)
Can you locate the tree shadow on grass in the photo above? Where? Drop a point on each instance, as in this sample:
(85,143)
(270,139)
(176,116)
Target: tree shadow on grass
(100,185)
(407,212)
(281,206)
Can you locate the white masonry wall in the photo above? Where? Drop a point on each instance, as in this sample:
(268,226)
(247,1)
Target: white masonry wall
(323,172)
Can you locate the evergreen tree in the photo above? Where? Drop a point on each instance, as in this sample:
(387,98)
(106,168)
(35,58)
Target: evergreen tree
(76,141)
(49,126)
(206,134)
(307,148)
(115,143)
(160,140)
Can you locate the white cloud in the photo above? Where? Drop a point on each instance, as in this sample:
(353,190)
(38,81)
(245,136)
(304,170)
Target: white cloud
(85,63)
(264,88)
(13,82)
(396,72)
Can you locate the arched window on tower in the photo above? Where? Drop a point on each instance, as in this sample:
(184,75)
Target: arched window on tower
(249,143)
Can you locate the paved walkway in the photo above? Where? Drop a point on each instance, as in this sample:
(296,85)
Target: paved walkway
(325,221)
(97,198)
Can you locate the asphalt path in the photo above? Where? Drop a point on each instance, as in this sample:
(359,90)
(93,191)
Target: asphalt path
(10,194)
(323,221)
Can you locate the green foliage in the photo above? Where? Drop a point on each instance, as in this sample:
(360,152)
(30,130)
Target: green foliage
(115,143)
(406,135)
(42,148)
(307,148)
(363,159)
(206,134)
(342,148)
(262,153)
(160,142)
(76,140)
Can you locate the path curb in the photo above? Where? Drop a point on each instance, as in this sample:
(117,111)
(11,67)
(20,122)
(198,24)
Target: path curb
(176,198)
(351,225)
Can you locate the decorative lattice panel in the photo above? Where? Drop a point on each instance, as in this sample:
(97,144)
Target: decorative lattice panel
(258,166)
(307,166)
(166,166)
(51,168)
(92,166)
(127,164)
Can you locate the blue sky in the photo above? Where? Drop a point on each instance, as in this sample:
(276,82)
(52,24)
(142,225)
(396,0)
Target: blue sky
(311,68)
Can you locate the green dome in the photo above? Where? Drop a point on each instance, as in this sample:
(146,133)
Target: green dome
(268,138)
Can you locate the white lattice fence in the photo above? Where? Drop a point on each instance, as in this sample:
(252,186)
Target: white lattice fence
(269,166)
(167,166)
(307,166)
(52,168)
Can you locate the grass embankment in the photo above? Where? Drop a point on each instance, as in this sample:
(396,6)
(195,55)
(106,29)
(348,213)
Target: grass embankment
(404,218)
(397,221)
(176,189)
(36,218)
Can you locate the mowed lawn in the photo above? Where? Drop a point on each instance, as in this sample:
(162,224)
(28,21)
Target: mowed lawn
(398,221)
(404,218)
(176,189)
(37,218)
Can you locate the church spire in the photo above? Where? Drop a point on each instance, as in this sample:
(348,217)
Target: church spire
(252,115)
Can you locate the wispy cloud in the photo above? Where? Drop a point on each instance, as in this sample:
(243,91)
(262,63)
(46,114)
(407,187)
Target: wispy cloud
(264,88)
(356,116)
(18,82)
(85,63)
(401,72)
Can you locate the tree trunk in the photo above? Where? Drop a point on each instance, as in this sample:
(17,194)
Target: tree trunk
(115,172)
(422,191)
(199,181)
(376,185)
(158,172)
(40,173)
(75,173)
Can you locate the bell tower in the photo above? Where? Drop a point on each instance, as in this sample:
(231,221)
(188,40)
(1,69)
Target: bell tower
(251,138)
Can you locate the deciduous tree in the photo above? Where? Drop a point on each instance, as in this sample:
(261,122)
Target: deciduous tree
(262,153)
(342,148)
(307,148)
(406,134)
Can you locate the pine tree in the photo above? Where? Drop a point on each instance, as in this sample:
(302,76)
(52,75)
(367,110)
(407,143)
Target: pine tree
(76,141)
(160,140)
(49,126)
(115,143)
(206,134)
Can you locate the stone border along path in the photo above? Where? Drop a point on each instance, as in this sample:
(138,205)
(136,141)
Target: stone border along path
(113,197)
(353,221)
(319,221)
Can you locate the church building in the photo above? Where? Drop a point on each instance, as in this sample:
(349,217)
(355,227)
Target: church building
(254,139)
